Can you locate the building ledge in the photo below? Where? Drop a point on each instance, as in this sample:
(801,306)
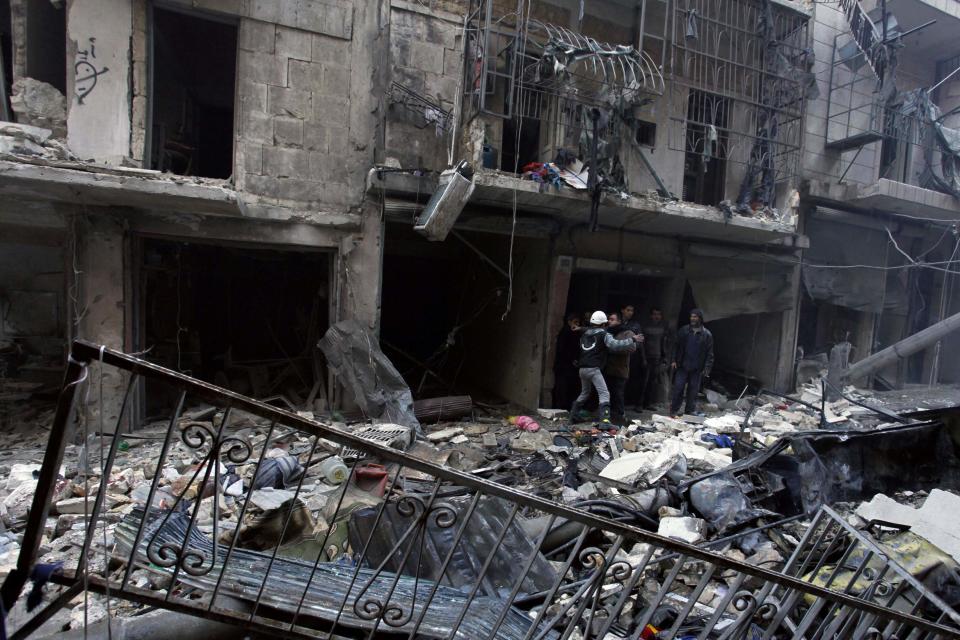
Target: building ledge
(105,186)
(497,191)
(890,195)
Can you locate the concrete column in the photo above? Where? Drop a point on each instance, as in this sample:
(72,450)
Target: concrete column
(361,269)
(560,275)
(100,302)
(98,78)
(786,353)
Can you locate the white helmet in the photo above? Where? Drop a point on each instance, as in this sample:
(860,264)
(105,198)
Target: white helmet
(598,317)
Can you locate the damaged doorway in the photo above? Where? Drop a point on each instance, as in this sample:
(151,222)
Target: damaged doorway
(590,291)
(192,87)
(242,318)
(443,317)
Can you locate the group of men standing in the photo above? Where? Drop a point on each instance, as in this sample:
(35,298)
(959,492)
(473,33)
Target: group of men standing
(629,362)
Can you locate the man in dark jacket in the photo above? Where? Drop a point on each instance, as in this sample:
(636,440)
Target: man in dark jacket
(595,343)
(566,381)
(692,361)
(657,344)
(618,369)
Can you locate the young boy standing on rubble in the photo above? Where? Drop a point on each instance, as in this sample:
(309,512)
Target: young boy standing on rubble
(692,362)
(595,343)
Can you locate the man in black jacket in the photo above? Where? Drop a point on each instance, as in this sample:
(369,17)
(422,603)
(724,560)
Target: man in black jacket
(595,343)
(692,361)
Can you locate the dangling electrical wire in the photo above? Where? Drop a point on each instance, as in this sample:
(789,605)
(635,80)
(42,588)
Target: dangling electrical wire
(522,28)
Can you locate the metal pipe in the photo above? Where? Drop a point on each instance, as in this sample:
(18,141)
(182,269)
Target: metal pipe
(905,348)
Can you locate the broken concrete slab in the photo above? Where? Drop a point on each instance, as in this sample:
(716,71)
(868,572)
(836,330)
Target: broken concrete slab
(21,473)
(938,520)
(682,528)
(444,434)
(269,499)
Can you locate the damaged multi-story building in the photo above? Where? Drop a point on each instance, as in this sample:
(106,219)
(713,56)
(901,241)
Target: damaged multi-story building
(213,183)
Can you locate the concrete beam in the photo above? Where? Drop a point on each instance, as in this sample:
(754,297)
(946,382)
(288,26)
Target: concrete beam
(151,191)
(640,214)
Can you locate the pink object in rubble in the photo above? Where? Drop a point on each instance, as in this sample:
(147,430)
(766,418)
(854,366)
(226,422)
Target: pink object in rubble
(525,423)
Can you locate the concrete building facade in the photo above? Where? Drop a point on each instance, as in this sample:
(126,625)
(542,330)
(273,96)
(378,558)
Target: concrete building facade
(214,182)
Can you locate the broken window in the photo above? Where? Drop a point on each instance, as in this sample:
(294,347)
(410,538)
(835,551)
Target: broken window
(46,43)
(193,79)
(704,167)
(245,319)
(895,151)
(646,133)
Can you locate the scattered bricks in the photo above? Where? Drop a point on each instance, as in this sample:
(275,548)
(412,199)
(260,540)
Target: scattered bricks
(287,131)
(263,68)
(330,51)
(257,36)
(292,102)
(286,163)
(293,43)
(490,441)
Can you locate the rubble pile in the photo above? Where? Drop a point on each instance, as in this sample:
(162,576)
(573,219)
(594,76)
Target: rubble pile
(705,480)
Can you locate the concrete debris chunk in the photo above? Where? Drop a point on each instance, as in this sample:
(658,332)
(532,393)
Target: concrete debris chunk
(20,474)
(39,104)
(444,434)
(938,520)
(269,499)
(682,528)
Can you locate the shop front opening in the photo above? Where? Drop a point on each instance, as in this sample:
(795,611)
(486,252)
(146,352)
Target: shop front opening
(245,319)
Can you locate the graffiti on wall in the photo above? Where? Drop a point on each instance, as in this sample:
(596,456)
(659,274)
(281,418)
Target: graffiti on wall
(86,71)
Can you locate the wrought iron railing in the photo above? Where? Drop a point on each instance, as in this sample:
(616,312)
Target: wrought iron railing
(411,548)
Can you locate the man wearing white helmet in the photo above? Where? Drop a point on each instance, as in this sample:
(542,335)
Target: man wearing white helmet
(595,343)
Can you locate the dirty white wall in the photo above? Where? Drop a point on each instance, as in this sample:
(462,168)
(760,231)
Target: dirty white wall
(820,163)
(98,79)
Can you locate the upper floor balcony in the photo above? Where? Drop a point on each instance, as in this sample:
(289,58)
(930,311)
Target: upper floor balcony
(891,115)
(661,115)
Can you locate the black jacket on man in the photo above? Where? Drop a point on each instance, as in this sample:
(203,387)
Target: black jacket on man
(706,349)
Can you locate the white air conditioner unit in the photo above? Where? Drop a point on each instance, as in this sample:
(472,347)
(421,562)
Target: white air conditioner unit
(446,203)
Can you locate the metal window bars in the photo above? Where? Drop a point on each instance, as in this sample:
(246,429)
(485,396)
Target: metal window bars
(433,577)
(752,56)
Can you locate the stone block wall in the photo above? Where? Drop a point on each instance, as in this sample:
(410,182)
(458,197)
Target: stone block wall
(309,88)
(426,53)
